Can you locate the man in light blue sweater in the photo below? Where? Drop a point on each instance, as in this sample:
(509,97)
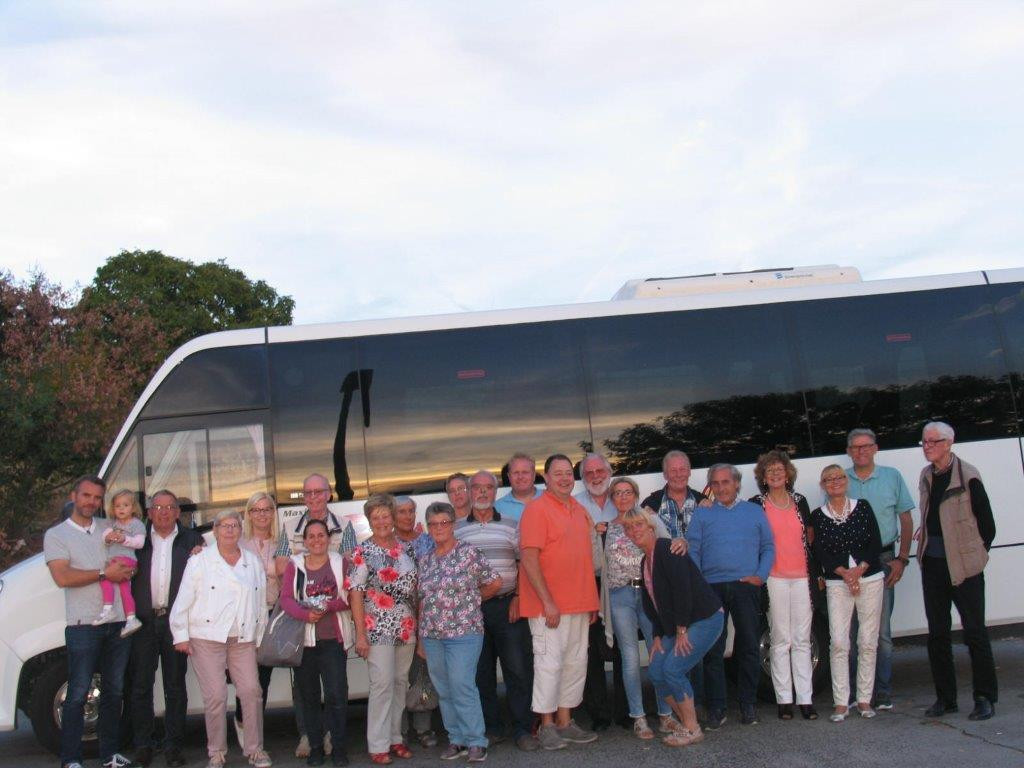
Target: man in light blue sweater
(732,544)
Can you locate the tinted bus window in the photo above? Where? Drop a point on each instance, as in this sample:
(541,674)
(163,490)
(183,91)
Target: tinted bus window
(1008,303)
(716,383)
(318,417)
(895,361)
(225,379)
(460,400)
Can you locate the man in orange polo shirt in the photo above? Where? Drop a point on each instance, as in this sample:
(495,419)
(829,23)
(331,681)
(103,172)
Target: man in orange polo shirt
(558,596)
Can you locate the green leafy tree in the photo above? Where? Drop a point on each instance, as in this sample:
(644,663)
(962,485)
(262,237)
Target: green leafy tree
(185,299)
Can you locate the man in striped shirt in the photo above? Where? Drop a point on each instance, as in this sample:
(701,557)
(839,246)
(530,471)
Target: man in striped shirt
(506,636)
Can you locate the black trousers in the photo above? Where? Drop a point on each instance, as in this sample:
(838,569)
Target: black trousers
(969,598)
(595,689)
(153,644)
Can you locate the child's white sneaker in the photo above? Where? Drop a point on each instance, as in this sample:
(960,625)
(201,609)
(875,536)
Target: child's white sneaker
(131,626)
(105,615)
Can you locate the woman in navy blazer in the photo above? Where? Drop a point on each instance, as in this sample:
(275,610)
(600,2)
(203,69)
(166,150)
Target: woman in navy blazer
(687,618)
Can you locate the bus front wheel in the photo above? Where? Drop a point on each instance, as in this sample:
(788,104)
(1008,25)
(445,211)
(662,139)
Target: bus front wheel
(44,707)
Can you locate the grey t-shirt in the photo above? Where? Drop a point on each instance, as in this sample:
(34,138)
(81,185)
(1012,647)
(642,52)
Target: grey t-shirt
(87,552)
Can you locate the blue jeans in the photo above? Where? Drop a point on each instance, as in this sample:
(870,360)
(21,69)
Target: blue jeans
(627,617)
(452,665)
(883,658)
(668,671)
(93,649)
(510,643)
(326,660)
(743,602)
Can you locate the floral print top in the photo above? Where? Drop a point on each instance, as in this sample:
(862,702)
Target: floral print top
(387,579)
(622,557)
(450,592)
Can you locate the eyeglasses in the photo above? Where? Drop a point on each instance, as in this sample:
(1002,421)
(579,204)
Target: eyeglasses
(314,491)
(623,492)
(229,526)
(833,480)
(163,507)
(261,510)
(460,489)
(863,447)
(933,443)
(438,523)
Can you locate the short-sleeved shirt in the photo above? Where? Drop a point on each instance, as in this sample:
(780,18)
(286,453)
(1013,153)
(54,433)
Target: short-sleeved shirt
(561,531)
(498,542)
(387,579)
(887,493)
(84,549)
(512,508)
(291,541)
(450,592)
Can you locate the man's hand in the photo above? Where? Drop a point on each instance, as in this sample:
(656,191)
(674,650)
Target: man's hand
(896,568)
(513,610)
(678,546)
(593,617)
(551,615)
(117,572)
(755,580)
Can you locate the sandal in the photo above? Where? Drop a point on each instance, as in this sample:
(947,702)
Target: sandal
(402,751)
(641,729)
(785,711)
(808,712)
(683,738)
(380,758)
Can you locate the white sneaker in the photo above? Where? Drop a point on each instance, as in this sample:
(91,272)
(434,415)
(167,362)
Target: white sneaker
(260,759)
(105,615)
(302,750)
(118,760)
(131,626)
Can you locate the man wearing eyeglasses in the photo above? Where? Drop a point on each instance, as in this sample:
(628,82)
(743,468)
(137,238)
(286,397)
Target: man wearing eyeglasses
(162,561)
(316,492)
(887,493)
(506,636)
(957,530)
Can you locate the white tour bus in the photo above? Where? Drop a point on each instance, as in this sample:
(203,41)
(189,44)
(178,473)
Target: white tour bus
(723,367)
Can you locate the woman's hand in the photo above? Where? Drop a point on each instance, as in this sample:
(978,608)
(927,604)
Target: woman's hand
(601,528)
(196,550)
(421,651)
(656,646)
(683,645)
(185,648)
(678,546)
(315,616)
(362,646)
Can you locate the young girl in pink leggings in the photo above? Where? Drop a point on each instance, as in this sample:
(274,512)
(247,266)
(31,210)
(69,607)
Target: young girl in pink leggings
(126,535)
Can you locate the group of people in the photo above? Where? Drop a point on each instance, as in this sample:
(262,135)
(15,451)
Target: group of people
(548,583)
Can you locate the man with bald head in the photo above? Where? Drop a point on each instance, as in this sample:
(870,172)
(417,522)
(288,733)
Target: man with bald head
(316,492)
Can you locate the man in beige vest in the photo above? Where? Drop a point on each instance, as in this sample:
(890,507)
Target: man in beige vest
(957,529)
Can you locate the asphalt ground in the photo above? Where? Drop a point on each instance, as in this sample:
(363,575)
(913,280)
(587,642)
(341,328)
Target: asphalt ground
(894,739)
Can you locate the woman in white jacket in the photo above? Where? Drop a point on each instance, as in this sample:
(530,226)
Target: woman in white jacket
(218,619)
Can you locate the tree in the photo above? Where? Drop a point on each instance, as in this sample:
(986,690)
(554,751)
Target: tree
(185,299)
(64,390)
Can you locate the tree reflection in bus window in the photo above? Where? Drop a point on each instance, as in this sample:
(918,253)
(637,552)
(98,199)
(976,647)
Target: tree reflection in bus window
(125,472)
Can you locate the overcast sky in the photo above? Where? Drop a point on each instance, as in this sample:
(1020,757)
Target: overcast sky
(393,158)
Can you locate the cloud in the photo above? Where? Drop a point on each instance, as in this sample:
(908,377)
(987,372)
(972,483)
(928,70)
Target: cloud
(411,158)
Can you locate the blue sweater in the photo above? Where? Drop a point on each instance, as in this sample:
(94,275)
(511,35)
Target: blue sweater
(728,544)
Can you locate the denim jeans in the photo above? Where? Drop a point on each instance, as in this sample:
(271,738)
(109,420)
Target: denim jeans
(743,602)
(627,617)
(325,661)
(510,643)
(452,665)
(668,671)
(93,649)
(883,657)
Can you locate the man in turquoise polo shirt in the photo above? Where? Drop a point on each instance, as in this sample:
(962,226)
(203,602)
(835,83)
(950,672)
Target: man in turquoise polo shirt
(887,493)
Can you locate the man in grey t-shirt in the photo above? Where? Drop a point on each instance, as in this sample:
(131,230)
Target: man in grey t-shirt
(77,558)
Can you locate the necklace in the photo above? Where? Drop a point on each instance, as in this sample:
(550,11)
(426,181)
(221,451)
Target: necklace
(840,517)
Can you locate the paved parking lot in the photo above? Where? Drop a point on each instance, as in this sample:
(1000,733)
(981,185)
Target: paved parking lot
(898,739)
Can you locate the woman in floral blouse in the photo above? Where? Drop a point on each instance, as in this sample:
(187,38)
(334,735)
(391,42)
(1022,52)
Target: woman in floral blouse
(454,579)
(383,591)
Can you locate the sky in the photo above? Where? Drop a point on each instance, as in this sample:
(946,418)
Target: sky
(401,158)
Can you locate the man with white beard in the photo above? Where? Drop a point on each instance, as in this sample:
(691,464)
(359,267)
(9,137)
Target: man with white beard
(596,473)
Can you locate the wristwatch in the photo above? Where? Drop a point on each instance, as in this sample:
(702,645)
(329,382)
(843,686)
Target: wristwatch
(103,576)
(904,559)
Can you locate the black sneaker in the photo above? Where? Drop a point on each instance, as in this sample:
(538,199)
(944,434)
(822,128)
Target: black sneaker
(938,709)
(748,714)
(716,719)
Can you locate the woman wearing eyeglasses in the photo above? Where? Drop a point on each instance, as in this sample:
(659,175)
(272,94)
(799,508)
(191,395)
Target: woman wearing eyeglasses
(382,597)
(454,580)
(848,546)
(218,619)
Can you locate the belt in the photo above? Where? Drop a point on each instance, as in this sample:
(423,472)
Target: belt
(158,612)
(506,596)
(637,583)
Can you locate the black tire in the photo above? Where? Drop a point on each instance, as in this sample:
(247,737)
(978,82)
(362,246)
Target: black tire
(48,689)
(821,673)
